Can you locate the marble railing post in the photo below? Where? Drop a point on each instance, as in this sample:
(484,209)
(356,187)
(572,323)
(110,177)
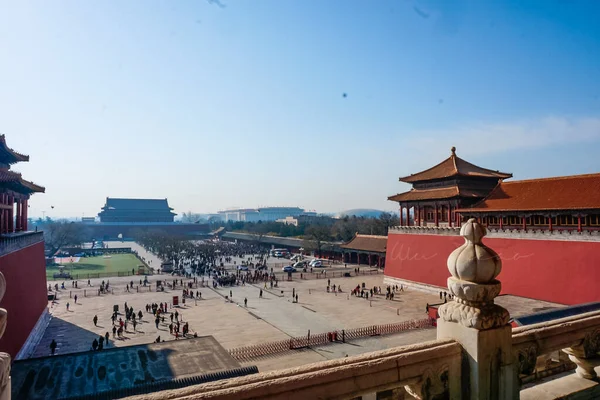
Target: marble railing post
(585,355)
(479,325)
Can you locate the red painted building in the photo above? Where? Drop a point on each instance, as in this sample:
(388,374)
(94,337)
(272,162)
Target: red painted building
(21,254)
(547,231)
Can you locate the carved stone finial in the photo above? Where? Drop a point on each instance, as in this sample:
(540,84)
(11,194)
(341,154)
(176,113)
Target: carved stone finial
(474,268)
(453,150)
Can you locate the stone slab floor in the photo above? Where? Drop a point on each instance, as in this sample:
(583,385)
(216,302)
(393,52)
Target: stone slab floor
(270,318)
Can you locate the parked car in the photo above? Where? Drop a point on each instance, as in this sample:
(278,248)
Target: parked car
(242,268)
(288,268)
(300,264)
(317,264)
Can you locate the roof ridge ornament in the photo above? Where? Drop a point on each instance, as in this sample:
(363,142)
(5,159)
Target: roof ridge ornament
(474,268)
(453,150)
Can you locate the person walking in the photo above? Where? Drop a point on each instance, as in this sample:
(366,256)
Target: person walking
(260,294)
(106,337)
(245,302)
(95,320)
(67,306)
(75,298)
(114,331)
(95,344)
(53,346)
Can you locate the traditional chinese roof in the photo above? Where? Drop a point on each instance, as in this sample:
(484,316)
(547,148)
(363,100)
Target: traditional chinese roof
(8,155)
(576,192)
(454,166)
(438,194)
(137,204)
(370,243)
(14,181)
(118,372)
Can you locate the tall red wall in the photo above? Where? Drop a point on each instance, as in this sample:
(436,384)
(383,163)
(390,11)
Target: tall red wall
(566,272)
(26,294)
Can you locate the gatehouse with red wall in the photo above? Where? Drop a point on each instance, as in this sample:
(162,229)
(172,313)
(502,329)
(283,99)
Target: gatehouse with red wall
(22,261)
(547,231)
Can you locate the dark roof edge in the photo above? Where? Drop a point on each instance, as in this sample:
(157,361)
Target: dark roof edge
(168,384)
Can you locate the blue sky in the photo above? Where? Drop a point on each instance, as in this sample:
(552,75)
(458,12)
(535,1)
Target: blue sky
(241,103)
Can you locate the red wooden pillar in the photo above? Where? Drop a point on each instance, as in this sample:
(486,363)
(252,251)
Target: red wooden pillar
(24,212)
(501,221)
(579,223)
(436,219)
(18,219)
(6,214)
(11,203)
(370,260)
(524,220)
(550,223)
(358,258)
(450,215)
(401,214)
(418,211)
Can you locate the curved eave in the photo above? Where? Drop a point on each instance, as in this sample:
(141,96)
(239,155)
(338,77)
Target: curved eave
(493,175)
(8,154)
(33,187)
(454,170)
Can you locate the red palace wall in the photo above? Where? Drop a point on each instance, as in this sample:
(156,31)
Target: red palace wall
(566,272)
(26,294)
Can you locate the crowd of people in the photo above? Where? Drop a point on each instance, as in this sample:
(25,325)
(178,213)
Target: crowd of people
(196,263)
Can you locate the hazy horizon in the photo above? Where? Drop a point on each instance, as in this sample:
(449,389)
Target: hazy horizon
(320,105)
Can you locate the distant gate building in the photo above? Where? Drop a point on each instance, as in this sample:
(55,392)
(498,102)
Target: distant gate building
(136,210)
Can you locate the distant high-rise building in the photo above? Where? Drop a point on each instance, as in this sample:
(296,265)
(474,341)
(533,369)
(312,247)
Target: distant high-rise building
(260,214)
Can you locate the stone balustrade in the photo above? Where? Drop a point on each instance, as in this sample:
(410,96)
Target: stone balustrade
(17,241)
(578,336)
(425,230)
(508,233)
(425,370)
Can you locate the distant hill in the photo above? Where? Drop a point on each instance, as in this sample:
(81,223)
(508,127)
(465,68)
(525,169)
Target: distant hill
(361,212)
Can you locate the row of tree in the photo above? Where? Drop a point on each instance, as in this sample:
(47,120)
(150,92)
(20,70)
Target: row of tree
(342,229)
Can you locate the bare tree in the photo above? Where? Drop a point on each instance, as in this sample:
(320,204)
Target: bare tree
(64,233)
(316,235)
(189,217)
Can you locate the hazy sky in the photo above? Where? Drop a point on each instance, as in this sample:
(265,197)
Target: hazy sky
(318,104)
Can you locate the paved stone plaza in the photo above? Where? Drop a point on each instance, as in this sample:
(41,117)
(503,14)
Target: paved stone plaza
(270,318)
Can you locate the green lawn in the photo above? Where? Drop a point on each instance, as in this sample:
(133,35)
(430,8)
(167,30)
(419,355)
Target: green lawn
(99,267)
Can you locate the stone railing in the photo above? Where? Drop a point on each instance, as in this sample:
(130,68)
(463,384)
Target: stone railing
(509,233)
(426,230)
(18,241)
(577,336)
(545,234)
(426,370)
